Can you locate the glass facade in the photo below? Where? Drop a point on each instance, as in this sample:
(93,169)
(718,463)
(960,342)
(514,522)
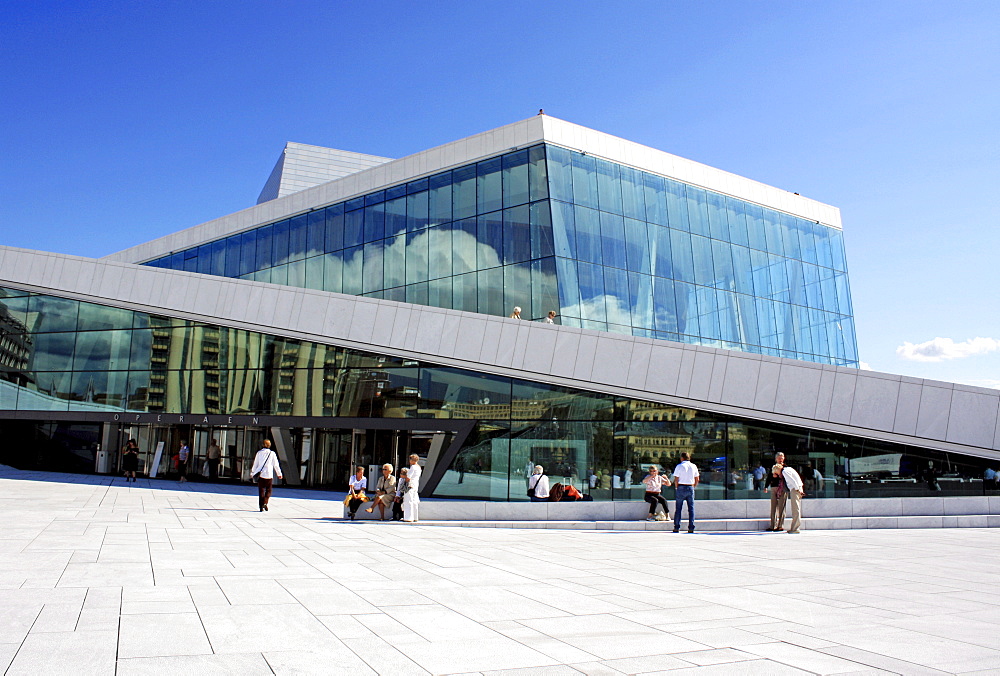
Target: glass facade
(71,356)
(607,246)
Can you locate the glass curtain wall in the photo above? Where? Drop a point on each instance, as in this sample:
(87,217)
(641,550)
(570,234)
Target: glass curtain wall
(67,355)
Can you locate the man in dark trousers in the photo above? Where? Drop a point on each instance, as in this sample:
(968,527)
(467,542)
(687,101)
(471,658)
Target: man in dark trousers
(686,477)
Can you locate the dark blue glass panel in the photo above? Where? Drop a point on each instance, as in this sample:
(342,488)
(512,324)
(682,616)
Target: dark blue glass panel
(489,186)
(463,192)
(588,234)
(416,211)
(248,252)
(560,170)
(516,235)
(613,241)
(218,257)
(335,228)
(233,250)
(655,192)
(563,229)
(515,178)
(356,203)
(633,197)
(354,222)
(584,180)
(639,250)
(191,260)
(316,235)
(382,195)
(297,238)
(374,223)
(279,243)
(395,192)
(419,185)
(439,198)
(542,243)
(489,234)
(677,206)
(538,181)
(395,217)
(265,247)
(609,187)
(176,261)
(205,259)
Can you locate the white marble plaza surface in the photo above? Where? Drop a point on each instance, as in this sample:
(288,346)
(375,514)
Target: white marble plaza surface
(98,576)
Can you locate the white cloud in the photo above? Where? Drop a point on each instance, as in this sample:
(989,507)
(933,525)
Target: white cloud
(941,349)
(865,366)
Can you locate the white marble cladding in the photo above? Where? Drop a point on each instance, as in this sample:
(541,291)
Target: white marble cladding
(302,166)
(516,135)
(931,414)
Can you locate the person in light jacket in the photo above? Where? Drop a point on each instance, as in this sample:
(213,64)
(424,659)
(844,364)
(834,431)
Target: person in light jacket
(265,468)
(385,491)
(796,489)
(538,485)
(411,499)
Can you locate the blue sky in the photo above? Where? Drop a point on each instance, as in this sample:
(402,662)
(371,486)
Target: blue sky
(125,121)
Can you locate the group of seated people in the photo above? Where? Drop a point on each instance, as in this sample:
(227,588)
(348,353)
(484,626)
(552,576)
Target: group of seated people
(539,491)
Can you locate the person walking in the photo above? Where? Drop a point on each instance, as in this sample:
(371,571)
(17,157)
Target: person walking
(183,455)
(214,458)
(356,486)
(130,460)
(265,468)
(411,499)
(796,490)
(686,477)
(654,483)
(538,485)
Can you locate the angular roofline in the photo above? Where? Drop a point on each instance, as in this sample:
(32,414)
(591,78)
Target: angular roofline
(537,129)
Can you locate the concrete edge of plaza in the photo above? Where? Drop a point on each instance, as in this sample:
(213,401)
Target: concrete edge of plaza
(929,414)
(514,136)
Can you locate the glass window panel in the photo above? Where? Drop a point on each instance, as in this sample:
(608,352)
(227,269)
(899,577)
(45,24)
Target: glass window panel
(102,350)
(569,287)
(789,236)
(464,246)
(541,236)
(516,235)
(736,216)
(843,294)
(353,269)
(609,187)
(641,300)
(382,195)
(464,192)
(354,222)
(420,185)
(697,200)
(686,304)
(850,342)
(314,273)
(755,227)
(592,305)
(560,171)
(395,217)
(316,233)
(677,205)
(93,317)
(515,178)
(742,270)
(354,204)
(729,326)
(333,272)
(584,180)
(372,273)
(807,240)
(417,257)
(796,285)
(416,211)
(48,313)
(204,259)
(616,299)
(811,285)
(718,218)
(53,352)
(767,323)
(490,192)
(659,251)
(489,233)
(563,229)
(588,234)
(517,290)
(276,275)
(264,247)
(190,260)
(655,193)
(297,231)
(465,292)
(464,394)
(681,259)
(640,246)
(708,315)
(279,243)
(633,198)
(218,255)
(417,293)
(491,300)
(248,255)
(540,401)
(233,251)
(439,252)
(772,232)
(439,198)
(297,273)
(613,240)
(538,183)
(439,292)
(746,311)
(374,222)
(722,259)
(837,249)
(544,288)
(335,228)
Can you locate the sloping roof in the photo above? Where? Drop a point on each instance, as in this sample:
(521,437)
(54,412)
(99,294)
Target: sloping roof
(302,166)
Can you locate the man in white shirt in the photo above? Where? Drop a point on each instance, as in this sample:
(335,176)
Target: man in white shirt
(796,489)
(411,499)
(686,477)
(265,467)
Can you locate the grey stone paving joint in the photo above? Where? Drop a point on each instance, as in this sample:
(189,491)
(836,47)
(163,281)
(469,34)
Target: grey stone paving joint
(99,576)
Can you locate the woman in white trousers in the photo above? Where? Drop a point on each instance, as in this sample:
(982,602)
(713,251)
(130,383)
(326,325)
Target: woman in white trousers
(411,499)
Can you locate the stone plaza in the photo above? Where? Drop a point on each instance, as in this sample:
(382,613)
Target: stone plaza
(98,576)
